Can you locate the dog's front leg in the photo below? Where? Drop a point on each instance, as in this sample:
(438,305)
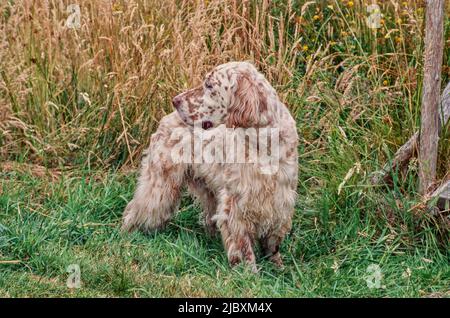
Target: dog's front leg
(235,236)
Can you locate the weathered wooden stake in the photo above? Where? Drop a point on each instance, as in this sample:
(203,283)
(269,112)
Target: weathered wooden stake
(409,149)
(434,47)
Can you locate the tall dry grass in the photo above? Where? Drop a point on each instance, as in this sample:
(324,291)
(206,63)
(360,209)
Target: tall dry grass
(108,82)
(95,93)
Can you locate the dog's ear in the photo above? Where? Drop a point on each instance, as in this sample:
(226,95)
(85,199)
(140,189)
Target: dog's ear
(249,108)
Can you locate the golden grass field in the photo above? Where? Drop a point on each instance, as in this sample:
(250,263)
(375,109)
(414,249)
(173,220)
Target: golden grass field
(66,93)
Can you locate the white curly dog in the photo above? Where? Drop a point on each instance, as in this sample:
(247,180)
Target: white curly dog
(241,199)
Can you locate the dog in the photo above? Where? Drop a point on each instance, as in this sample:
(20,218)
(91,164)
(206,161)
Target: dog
(242,200)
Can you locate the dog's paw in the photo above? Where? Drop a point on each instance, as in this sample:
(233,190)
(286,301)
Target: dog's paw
(128,219)
(277,260)
(253,267)
(236,261)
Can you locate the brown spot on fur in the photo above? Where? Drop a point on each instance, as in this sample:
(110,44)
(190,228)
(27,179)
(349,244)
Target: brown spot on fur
(290,152)
(172,142)
(155,137)
(228,203)
(234,260)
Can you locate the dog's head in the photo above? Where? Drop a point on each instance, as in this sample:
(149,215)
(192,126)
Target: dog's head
(235,94)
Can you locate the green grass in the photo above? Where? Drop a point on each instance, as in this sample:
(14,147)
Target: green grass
(47,225)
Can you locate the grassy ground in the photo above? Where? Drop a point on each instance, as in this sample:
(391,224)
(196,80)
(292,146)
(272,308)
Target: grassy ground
(77,107)
(49,223)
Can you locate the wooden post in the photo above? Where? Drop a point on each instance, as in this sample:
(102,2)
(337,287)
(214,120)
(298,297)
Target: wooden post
(409,149)
(434,47)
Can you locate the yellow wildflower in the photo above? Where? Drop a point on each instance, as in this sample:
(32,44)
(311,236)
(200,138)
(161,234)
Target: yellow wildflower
(350,4)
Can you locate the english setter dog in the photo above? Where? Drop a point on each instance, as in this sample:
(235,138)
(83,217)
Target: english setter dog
(243,201)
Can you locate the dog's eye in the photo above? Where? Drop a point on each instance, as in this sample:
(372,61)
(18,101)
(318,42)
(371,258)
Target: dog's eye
(208,85)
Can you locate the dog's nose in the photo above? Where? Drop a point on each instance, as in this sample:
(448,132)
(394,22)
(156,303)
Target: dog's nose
(176,101)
